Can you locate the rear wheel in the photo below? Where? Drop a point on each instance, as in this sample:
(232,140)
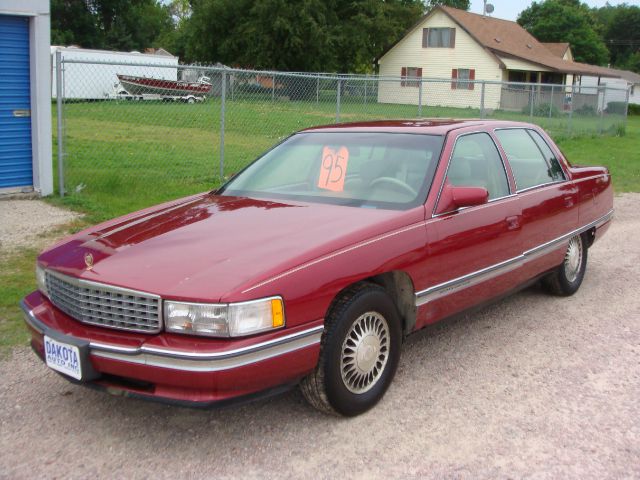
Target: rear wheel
(567,278)
(359,353)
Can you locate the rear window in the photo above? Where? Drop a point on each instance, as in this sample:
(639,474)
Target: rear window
(532,164)
(369,170)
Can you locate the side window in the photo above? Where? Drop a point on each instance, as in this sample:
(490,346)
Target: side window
(554,164)
(476,162)
(529,166)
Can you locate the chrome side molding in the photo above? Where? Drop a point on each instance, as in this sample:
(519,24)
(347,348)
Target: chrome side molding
(479,276)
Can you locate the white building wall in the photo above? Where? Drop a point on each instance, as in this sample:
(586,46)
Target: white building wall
(519,64)
(96,81)
(634,94)
(616,89)
(39,38)
(437,63)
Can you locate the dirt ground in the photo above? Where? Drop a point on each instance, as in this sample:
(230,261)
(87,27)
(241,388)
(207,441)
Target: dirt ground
(531,387)
(23,221)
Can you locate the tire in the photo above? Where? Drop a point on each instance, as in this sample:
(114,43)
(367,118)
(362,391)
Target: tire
(567,278)
(350,379)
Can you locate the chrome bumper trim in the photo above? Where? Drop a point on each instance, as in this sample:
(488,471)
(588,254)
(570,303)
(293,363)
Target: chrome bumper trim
(31,320)
(195,361)
(479,276)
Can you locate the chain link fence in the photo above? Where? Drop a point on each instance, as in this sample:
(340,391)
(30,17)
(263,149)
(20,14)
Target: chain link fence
(158,132)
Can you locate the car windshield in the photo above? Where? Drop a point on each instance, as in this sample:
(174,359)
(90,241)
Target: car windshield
(369,170)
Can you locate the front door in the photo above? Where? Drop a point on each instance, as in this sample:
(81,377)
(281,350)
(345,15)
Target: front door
(474,252)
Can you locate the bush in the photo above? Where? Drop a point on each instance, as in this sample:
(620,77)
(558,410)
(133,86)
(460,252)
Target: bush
(617,108)
(634,109)
(586,111)
(299,88)
(542,110)
(255,88)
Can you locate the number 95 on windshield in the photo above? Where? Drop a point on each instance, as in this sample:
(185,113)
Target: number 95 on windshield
(333,169)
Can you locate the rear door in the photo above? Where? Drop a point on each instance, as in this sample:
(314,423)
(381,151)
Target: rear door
(474,251)
(548,200)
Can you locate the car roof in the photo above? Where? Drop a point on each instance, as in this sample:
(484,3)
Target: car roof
(433,126)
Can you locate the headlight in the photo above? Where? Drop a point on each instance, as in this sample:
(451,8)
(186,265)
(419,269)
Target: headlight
(41,279)
(224,320)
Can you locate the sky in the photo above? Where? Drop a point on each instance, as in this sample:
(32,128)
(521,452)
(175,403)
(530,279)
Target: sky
(509,9)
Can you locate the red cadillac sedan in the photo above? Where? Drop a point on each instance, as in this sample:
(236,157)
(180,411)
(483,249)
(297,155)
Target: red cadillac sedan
(313,264)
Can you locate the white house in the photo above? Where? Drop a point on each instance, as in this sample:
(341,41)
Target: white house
(619,83)
(453,44)
(633,83)
(25,102)
(628,81)
(95,79)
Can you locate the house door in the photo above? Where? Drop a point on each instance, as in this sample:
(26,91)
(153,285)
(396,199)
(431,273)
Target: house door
(16,164)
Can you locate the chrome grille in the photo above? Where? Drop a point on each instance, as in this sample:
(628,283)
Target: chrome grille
(104,305)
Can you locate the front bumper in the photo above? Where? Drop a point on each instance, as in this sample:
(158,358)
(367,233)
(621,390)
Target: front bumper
(177,368)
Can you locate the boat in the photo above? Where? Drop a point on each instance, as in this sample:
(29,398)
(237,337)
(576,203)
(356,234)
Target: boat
(174,88)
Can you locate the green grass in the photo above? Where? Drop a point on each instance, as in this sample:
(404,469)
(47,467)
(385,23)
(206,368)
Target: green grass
(16,280)
(128,155)
(620,154)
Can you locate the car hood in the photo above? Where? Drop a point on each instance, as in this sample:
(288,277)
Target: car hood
(210,247)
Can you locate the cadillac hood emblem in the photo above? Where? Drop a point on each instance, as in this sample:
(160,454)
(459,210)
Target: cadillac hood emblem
(88,260)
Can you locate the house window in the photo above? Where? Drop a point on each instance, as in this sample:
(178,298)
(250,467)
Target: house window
(438,37)
(410,76)
(460,78)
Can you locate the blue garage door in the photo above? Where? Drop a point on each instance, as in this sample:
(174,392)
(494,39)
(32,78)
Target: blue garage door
(16,168)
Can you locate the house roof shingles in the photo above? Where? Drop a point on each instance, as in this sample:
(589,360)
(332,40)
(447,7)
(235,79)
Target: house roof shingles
(558,49)
(504,37)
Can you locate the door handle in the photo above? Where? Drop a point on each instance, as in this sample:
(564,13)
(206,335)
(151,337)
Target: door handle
(22,113)
(568,202)
(513,222)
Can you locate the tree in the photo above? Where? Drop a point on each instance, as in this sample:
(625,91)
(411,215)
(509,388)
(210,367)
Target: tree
(367,27)
(622,34)
(461,4)
(632,63)
(73,23)
(109,24)
(305,35)
(566,21)
(174,39)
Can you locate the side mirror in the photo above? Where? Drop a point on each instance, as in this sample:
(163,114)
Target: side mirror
(452,198)
(469,196)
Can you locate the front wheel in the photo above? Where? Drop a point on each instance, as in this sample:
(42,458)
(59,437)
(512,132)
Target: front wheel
(359,352)
(567,278)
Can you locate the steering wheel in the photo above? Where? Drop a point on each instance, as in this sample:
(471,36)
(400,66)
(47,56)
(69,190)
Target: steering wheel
(394,182)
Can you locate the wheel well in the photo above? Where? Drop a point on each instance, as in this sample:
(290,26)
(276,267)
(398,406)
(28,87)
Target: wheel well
(590,236)
(400,287)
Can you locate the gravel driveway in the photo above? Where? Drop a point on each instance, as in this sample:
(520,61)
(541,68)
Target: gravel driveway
(534,386)
(22,222)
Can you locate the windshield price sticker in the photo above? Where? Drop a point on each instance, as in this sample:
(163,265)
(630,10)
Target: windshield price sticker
(63,357)
(333,169)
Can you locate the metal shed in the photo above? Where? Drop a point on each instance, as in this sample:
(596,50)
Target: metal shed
(25,101)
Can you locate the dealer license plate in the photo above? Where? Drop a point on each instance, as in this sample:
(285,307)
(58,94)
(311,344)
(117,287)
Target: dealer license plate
(63,357)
